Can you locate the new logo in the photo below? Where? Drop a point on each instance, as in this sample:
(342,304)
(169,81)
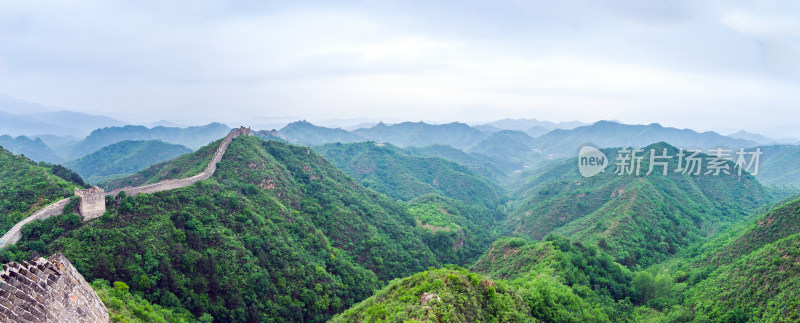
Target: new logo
(591,161)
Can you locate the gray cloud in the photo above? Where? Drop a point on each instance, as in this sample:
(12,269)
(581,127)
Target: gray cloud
(193,61)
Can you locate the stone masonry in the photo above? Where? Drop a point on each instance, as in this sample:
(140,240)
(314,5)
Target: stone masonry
(93,202)
(48,290)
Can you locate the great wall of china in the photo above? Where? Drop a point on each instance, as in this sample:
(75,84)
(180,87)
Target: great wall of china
(93,199)
(48,290)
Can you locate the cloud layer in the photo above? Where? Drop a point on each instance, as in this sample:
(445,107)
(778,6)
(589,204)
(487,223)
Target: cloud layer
(711,65)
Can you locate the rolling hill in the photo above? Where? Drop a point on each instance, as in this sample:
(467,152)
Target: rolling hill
(386,169)
(124,158)
(26,187)
(639,220)
(192,137)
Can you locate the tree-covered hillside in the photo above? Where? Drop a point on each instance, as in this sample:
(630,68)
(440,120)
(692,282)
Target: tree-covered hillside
(278,232)
(640,220)
(26,187)
(124,158)
(386,169)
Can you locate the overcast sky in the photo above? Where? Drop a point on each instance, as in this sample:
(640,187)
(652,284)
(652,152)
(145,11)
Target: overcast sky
(721,65)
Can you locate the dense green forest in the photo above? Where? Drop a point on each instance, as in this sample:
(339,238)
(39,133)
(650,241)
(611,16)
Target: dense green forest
(26,187)
(279,233)
(639,220)
(384,168)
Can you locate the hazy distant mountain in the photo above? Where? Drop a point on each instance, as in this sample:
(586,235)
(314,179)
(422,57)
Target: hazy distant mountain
(124,158)
(192,137)
(16,125)
(487,128)
(16,106)
(752,137)
(18,117)
(61,145)
(35,149)
(509,149)
(164,123)
(305,133)
(82,123)
(537,131)
(420,134)
(525,124)
(779,165)
(612,134)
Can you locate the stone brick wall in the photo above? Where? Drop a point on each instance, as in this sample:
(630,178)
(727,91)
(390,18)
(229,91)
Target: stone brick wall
(48,290)
(14,234)
(93,202)
(184,182)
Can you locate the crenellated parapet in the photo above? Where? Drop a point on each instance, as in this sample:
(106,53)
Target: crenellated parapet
(48,290)
(93,202)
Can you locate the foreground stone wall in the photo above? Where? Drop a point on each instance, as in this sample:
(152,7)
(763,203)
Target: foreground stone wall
(48,290)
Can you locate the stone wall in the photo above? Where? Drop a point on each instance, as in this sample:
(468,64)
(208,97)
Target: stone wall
(48,290)
(14,234)
(184,182)
(93,202)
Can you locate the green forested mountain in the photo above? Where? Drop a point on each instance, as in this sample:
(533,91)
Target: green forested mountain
(26,187)
(34,149)
(420,134)
(478,163)
(192,137)
(278,232)
(124,158)
(441,295)
(386,169)
(639,220)
(305,133)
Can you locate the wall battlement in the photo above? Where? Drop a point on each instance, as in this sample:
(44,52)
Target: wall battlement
(48,290)
(93,202)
